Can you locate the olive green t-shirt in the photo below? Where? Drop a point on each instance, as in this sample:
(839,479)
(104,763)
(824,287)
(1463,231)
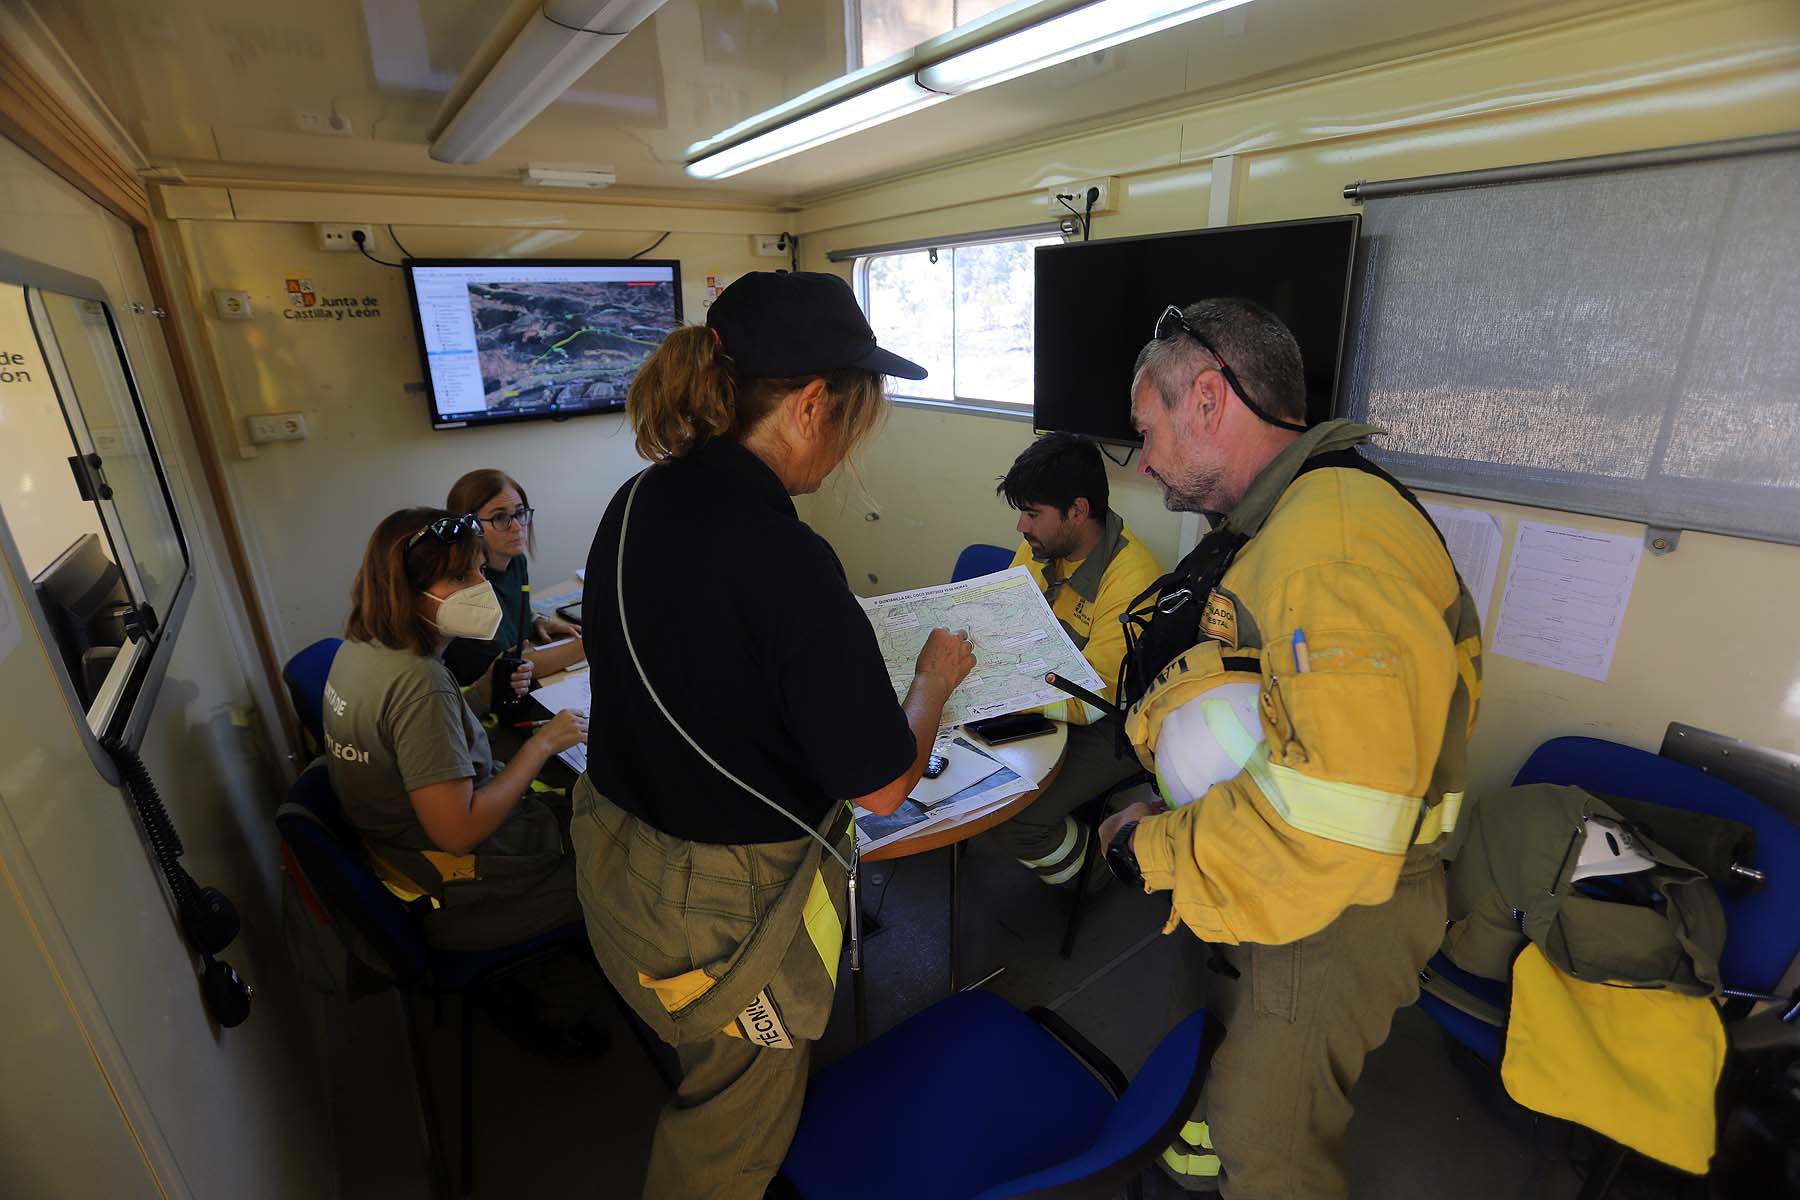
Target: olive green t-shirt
(396,721)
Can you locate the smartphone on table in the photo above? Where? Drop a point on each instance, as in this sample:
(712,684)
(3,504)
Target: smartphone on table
(1015,727)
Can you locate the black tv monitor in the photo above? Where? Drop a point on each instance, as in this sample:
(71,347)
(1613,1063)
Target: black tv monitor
(518,339)
(82,595)
(1097,304)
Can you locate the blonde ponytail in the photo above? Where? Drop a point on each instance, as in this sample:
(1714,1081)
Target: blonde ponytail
(682,396)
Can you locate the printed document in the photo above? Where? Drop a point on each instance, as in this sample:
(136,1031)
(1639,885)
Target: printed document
(1565,597)
(576,692)
(1474,539)
(1017,641)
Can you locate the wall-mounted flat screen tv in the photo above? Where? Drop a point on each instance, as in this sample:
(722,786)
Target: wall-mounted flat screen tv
(518,339)
(1097,304)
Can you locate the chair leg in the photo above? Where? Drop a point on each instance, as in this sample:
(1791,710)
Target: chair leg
(468,1096)
(1089,853)
(1605,1170)
(434,1137)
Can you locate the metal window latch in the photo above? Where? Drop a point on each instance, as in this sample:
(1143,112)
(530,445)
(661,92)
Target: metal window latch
(140,622)
(90,480)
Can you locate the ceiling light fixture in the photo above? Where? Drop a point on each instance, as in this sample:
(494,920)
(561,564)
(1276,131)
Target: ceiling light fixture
(1007,44)
(1086,30)
(557,46)
(545,175)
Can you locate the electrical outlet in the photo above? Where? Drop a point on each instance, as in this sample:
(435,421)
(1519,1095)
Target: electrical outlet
(338,237)
(770,245)
(232,306)
(277,427)
(1077,191)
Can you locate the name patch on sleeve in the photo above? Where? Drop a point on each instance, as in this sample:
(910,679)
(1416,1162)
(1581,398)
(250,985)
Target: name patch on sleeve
(761,1023)
(1219,621)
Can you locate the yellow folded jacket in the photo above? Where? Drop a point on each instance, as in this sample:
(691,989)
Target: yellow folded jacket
(1638,1065)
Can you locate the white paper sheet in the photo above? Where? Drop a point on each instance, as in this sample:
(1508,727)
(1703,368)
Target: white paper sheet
(1565,598)
(968,766)
(572,691)
(1474,539)
(911,819)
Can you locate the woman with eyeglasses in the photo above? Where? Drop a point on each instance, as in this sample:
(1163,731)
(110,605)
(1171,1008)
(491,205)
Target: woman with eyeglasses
(498,502)
(445,825)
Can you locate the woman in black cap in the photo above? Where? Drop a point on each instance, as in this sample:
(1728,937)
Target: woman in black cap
(740,699)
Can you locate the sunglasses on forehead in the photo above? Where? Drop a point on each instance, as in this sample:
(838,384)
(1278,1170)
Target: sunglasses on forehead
(446,529)
(1172,323)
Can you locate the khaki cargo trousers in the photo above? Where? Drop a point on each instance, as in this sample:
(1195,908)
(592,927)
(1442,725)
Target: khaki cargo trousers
(1299,1020)
(698,937)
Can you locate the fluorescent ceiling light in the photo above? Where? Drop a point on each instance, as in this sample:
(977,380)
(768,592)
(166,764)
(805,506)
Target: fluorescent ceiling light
(557,46)
(1086,30)
(546,175)
(848,116)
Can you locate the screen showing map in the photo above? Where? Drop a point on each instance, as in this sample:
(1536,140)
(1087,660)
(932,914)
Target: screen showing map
(510,340)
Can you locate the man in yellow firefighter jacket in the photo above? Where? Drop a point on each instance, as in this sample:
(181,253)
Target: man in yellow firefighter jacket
(1306,865)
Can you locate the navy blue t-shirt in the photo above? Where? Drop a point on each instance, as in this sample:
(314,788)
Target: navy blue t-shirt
(750,634)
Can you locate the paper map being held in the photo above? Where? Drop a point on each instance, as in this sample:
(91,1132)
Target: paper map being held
(1016,637)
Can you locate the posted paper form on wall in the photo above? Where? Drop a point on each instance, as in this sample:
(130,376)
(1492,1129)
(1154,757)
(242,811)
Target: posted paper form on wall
(1474,540)
(1565,598)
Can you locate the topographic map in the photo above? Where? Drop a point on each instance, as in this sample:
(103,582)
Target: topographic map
(572,344)
(1017,641)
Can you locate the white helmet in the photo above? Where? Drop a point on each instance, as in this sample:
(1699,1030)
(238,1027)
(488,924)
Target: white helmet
(1207,740)
(1198,724)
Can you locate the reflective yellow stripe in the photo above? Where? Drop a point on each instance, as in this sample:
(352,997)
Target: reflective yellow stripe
(1343,812)
(1196,1133)
(1070,830)
(822,924)
(1201,1166)
(1068,872)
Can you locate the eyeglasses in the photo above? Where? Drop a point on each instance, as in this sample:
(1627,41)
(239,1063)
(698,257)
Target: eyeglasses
(1172,322)
(446,529)
(504,520)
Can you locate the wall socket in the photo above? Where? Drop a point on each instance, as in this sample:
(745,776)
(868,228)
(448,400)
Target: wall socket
(277,427)
(770,245)
(338,237)
(1078,189)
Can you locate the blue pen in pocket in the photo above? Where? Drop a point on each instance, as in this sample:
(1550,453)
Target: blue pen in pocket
(1302,661)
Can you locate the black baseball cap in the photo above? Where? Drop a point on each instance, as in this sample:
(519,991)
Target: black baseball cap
(780,324)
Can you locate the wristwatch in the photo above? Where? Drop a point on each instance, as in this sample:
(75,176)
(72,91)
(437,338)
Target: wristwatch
(1121,859)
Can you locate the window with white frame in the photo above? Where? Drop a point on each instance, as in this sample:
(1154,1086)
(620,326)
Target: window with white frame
(88,515)
(964,313)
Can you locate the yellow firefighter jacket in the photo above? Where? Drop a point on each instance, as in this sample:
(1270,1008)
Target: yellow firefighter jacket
(1365,753)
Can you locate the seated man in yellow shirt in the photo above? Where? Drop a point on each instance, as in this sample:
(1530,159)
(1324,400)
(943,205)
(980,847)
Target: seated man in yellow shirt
(1090,568)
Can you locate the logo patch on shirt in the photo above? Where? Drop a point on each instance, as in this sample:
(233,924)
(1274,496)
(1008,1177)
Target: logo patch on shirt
(1219,622)
(761,1023)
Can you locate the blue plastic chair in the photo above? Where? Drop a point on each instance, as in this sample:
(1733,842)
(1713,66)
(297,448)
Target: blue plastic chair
(1011,1105)
(980,559)
(305,676)
(1762,931)
(384,937)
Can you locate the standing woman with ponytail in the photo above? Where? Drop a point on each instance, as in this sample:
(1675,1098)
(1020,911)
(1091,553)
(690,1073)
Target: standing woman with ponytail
(745,701)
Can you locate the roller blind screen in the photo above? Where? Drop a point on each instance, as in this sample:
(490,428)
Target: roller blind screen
(1625,344)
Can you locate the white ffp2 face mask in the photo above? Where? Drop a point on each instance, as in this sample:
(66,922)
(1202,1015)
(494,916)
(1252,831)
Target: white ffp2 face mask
(473,612)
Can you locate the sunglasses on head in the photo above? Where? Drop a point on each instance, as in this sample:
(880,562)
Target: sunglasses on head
(446,529)
(1172,322)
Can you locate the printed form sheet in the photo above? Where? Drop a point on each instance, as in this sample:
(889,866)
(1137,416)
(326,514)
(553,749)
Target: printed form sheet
(1474,539)
(1565,599)
(1017,641)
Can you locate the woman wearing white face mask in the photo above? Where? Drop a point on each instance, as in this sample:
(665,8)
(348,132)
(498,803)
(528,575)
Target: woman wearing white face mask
(411,764)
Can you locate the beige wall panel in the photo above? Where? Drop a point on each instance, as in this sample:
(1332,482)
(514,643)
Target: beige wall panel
(308,507)
(223,1113)
(260,204)
(1706,638)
